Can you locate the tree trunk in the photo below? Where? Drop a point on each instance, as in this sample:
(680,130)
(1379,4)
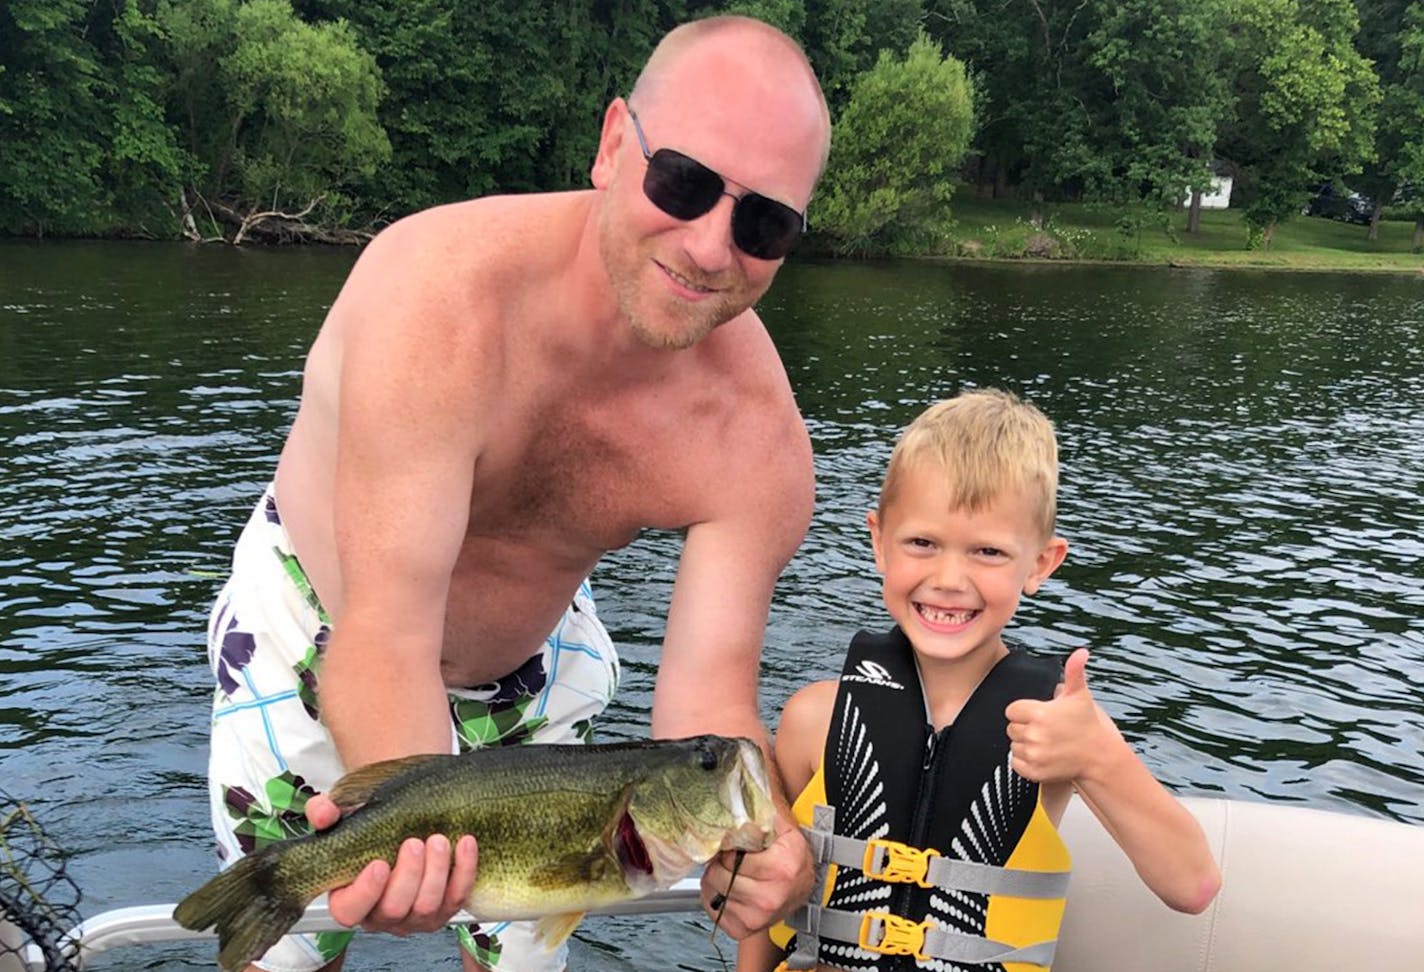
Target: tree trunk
(1418,234)
(1194,213)
(1267,233)
(1374,220)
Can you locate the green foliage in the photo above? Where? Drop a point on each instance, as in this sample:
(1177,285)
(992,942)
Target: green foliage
(1162,62)
(844,38)
(1392,36)
(787,15)
(1305,105)
(51,132)
(144,161)
(86,149)
(503,96)
(895,150)
(277,111)
(113,112)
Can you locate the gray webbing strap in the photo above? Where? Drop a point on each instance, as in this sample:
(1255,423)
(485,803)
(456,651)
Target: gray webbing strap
(808,939)
(942,872)
(987,879)
(939,943)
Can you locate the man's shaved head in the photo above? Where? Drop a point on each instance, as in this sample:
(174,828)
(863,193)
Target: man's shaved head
(754,41)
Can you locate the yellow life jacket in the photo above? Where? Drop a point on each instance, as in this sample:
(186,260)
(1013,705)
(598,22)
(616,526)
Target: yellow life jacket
(935,854)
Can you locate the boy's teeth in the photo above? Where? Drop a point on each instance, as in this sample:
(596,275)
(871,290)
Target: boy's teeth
(939,616)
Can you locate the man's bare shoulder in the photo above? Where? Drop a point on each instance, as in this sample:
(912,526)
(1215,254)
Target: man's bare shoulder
(446,282)
(469,245)
(772,443)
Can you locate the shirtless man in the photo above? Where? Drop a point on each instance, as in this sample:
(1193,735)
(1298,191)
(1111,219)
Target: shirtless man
(505,389)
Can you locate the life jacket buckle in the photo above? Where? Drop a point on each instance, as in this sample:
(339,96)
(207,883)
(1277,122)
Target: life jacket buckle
(888,860)
(887,934)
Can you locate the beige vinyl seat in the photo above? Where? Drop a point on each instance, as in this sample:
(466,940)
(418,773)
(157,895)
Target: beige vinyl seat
(1303,890)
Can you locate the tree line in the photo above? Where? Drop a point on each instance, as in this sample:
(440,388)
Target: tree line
(325,119)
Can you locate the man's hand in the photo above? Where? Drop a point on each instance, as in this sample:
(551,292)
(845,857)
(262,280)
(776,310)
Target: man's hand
(769,885)
(1061,740)
(421,893)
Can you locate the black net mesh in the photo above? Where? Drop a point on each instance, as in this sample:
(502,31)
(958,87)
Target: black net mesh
(39,902)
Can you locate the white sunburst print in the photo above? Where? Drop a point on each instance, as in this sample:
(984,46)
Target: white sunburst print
(861,813)
(983,839)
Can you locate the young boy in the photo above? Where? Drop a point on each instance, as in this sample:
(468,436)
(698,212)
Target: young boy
(946,757)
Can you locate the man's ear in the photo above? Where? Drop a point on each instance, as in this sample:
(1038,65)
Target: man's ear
(872,520)
(609,141)
(1046,563)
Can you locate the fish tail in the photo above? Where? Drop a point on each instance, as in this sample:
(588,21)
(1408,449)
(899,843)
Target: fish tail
(250,906)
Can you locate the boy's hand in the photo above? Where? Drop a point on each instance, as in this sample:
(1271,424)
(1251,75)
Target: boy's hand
(1063,739)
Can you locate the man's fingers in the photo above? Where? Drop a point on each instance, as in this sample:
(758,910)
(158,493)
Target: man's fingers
(350,905)
(462,875)
(430,893)
(322,811)
(401,889)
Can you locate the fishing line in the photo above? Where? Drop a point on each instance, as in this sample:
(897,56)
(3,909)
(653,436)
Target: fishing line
(722,906)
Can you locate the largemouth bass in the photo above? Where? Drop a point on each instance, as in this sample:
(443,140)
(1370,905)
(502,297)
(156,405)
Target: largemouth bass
(561,830)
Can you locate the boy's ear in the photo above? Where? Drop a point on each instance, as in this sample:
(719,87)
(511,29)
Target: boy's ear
(1047,562)
(609,139)
(872,520)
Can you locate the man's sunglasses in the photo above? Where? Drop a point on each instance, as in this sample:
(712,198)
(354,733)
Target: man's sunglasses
(685,189)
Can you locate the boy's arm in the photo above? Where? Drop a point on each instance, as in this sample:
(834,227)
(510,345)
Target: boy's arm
(800,740)
(1071,740)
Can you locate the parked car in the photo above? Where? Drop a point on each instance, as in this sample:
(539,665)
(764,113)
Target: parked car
(1333,202)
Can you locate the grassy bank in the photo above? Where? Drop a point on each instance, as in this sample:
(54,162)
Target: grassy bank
(1000,229)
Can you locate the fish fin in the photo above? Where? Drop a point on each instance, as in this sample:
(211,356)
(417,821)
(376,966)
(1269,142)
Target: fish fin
(553,930)
(354,790)
(249,905)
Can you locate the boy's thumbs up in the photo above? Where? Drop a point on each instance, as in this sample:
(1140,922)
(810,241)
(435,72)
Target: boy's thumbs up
(1075,674)
(1056,740)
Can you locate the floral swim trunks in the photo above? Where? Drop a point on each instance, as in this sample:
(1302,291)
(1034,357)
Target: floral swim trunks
(270,751)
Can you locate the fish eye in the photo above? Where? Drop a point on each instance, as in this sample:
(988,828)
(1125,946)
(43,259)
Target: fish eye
(709,758)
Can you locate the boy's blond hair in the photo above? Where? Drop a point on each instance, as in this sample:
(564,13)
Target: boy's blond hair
(987,443)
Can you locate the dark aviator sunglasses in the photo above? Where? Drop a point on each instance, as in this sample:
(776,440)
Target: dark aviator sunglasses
(685,189)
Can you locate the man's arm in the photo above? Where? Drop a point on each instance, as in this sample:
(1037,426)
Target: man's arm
(406,449)
(800,741)
(708,674)
(1072,740)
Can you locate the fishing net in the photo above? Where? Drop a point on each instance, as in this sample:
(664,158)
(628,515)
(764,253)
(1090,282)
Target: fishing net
(39,902)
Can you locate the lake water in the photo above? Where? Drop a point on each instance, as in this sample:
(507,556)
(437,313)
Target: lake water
(1242,473)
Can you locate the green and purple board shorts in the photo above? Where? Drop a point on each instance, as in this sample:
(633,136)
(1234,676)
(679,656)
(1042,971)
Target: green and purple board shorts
(271,752)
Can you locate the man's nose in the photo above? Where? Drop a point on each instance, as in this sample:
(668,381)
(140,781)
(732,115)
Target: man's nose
(708,238)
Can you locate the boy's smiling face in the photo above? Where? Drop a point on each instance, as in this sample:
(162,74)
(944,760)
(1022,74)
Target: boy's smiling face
(953,577)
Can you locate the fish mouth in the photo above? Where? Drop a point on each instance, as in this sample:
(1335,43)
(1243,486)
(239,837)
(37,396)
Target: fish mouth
(747,795)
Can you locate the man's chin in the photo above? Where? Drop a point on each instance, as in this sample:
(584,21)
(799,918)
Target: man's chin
(670,339)
(675,332)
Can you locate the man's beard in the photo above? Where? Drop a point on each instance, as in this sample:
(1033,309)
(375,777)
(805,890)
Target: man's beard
(691,321)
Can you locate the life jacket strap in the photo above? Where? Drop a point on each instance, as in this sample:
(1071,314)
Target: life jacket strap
(886,934)
(889,860)
(807,953)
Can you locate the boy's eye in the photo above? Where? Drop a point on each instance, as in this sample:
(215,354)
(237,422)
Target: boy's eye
(919,543)
(990,552)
